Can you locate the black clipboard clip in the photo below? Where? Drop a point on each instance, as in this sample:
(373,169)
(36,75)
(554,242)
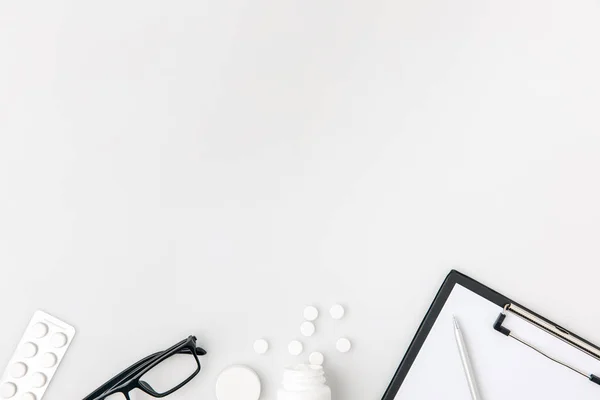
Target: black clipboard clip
(552,329)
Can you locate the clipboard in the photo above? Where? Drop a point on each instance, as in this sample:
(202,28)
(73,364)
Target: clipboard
(516,353)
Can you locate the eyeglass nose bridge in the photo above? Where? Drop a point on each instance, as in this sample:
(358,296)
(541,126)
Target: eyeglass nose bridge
(200,351)
(146,386)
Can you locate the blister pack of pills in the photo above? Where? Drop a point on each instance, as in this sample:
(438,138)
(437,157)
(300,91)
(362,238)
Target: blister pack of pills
(36,359)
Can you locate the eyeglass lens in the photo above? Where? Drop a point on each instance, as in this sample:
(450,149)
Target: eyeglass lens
(170,373)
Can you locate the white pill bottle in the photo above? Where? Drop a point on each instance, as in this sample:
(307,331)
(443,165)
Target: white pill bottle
(304,382)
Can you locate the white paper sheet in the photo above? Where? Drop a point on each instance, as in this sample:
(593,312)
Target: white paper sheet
(505,369)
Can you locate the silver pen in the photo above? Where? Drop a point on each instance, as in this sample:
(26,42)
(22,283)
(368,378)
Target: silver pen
(466,361)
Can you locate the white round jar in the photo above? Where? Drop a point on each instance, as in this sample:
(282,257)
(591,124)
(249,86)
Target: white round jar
(304,382)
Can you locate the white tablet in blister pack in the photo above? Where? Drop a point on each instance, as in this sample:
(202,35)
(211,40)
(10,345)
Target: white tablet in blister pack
(36,359)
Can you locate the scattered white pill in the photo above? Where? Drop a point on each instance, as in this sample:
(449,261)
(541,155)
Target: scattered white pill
(261,346)
(337,311)
(311,313)
(343,345)
(18,370)
(59,340)
(238,382)
(39,330)
(49,360)
(307,328)
(28,350)
(8,390)
(316,358)
(295,348)
(38,380)
(28,396)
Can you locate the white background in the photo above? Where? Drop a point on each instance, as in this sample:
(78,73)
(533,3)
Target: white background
(179,167)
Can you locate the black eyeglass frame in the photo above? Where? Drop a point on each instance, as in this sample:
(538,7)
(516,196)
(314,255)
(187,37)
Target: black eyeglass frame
(130,378)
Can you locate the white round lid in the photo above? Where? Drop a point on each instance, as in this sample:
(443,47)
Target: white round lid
(238,382)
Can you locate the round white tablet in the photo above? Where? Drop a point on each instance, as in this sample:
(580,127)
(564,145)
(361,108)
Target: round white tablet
(238,382)
(8,390)
(28,350)
(307,328)
(316,358)
(343,345)
(59,340)
(337,311)
(38,380)
(261,346)
(311,313)
(18,370)
(49,360)
(39,330)
(28,396)
(295,348)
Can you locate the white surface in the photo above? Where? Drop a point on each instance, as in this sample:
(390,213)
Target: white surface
(295,348)
(170,168)
(505,368)
(238,383)
(311,313)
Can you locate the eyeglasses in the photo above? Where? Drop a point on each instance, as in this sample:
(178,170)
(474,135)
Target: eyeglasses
(158,375)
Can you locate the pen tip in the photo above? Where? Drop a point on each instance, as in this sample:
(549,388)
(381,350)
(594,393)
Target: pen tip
(455,321)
